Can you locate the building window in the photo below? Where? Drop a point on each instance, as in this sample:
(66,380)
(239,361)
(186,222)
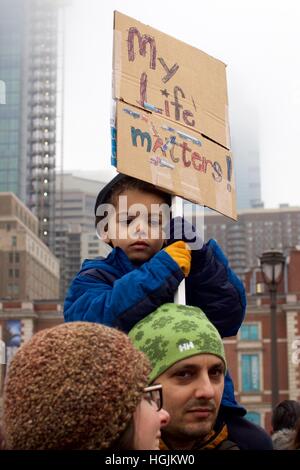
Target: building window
(254,417)
(13,289)
(249,332)
(14,257)
(260,288)
(13,241)
(250,373)
(12,336)
(93,252)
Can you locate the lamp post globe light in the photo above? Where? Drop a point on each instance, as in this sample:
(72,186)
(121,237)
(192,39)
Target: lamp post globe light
(272,264)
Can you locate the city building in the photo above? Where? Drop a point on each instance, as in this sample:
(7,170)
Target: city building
(19,320)
(255,231)
(29,270)
(75,201)
(249,354)
(74,217)
(90,246)
(31,64)
(245,146)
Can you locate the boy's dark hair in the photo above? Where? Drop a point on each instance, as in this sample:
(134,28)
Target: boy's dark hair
(285,415)
(121,183)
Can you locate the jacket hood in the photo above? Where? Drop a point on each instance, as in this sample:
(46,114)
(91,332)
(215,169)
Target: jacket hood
(228,398)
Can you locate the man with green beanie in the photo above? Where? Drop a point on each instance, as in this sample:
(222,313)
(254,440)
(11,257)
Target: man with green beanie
(187,357)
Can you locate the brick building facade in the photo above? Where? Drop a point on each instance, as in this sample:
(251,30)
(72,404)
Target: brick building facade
(249,354)
(28,268)
(19,321)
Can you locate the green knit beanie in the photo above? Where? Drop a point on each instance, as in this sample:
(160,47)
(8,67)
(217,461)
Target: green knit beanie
(175,332)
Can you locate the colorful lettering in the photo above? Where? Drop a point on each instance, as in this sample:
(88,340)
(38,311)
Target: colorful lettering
(135,133)
(143,41)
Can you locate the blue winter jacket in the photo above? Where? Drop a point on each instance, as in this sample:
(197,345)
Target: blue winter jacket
(114,292)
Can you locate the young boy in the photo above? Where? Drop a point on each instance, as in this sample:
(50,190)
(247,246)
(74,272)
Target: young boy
(143,271)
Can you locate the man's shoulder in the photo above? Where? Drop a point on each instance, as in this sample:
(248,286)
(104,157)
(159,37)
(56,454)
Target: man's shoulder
(248,435)
(228,445)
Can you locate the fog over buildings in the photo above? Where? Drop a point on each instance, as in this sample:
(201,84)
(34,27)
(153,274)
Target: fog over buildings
(258,43)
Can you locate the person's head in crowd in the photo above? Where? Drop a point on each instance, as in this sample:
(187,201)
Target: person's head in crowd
(285,415)
(283,439)
(129,214)
(81,386)
(296,443)
(187,357)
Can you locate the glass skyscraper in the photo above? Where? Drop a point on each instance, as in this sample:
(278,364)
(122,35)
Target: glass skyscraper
(246,155)
(29,115)
(12,162)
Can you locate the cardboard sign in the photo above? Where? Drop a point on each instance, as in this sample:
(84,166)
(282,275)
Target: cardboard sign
(174,158)
(171,125)
(166,76)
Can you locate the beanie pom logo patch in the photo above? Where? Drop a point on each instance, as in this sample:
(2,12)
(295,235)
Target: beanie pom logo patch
(186,346)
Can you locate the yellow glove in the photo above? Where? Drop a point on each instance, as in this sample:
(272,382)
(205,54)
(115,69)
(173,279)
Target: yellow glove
(181,254)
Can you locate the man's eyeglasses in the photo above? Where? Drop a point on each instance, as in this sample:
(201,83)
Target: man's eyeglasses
(153,395)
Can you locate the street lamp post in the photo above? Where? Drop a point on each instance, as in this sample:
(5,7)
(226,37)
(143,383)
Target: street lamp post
(272,264)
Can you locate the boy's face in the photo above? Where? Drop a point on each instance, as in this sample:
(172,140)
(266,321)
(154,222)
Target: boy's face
(137,224)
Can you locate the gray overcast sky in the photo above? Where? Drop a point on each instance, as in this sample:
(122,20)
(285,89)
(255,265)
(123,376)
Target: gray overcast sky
(259,40)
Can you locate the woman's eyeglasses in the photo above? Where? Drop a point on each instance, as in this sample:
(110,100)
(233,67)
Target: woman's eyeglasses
(153,395)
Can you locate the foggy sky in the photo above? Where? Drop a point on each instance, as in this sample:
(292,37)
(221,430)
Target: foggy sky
(258,40)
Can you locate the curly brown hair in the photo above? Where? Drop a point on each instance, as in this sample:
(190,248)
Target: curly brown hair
(75,386)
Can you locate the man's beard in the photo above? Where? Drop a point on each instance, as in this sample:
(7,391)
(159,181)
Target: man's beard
(186,433)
